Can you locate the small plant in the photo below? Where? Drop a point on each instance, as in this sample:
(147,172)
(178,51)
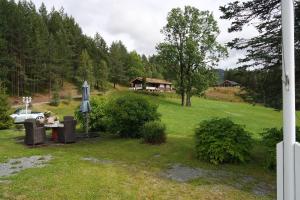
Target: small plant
(154,132)
(219,140)
(68,99)
(19,127)
(55,101)
(47,114)
(270,137)
(128,114)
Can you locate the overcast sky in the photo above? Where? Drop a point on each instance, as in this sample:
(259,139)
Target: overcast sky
(138,22)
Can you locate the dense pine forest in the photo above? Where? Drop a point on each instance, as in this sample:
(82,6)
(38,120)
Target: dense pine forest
(41,48)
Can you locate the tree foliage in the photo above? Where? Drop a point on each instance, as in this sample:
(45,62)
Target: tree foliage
(263,51)
(190,46)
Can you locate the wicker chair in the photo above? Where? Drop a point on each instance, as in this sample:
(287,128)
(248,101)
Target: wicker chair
(33,133)
(67,133)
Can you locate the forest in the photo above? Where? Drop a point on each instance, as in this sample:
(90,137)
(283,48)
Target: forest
(40,49)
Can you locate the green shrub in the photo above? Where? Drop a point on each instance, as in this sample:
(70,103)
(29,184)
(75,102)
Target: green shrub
(5,120)
(97,121)
(219,140)
(150,93)
(154,132)
(128,114)
(270,137)
(68,99)
(55,99)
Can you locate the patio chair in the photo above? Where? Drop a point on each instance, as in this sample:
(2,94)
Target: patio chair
(67,133)
(34,134)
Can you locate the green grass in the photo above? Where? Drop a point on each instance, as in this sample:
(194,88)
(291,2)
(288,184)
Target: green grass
(134,174)
(182,121)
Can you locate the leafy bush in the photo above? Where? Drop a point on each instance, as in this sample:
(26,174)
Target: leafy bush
(154,132)
(150,93)
(270,137)
(5,120)
(128,114)
(97,121)
(219,140)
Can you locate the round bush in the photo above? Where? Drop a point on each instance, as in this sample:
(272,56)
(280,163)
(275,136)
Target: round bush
(270,137)
(219,140)
(154,132)
(97,120)
(128,114)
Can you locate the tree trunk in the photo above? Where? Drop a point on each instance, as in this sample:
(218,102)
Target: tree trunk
(182,97)
(114,85)
(188,102)
(188,88)
(182,90)
(50,87)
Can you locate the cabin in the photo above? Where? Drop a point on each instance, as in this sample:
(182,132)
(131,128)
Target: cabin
(151,84)
(228,83)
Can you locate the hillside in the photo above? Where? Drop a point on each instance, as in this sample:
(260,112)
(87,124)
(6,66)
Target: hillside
(231,94)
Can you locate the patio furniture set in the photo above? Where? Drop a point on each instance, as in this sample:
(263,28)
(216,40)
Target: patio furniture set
(63,132)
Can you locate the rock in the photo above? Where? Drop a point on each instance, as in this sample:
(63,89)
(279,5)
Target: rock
(14,166)
(182,173)
(95,160)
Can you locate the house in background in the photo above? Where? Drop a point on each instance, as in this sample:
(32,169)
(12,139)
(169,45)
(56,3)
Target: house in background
(228,83)
(151,84)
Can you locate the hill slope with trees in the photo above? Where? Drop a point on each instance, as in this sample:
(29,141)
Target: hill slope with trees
(40,49)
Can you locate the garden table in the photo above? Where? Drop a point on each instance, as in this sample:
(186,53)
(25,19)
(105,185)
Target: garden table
(54,128)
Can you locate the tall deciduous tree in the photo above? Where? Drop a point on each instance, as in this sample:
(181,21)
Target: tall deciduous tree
(190,46)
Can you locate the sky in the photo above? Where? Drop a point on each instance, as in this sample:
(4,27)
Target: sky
(137,23)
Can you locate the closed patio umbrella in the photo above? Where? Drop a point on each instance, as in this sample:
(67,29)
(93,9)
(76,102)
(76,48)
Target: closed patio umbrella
(85,106)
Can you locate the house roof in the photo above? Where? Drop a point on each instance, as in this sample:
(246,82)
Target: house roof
(231,82)
(152,80)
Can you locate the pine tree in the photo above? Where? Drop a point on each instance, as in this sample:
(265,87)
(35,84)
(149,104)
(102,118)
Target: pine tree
(118,56)
(5,119)
(85,71)
(101,75)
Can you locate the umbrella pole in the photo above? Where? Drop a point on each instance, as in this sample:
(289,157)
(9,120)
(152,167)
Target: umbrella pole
(87,124)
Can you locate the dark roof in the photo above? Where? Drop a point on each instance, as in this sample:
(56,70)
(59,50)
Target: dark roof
(152,80)
(230,82)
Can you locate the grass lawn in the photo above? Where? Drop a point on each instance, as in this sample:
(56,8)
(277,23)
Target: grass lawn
(134,170)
